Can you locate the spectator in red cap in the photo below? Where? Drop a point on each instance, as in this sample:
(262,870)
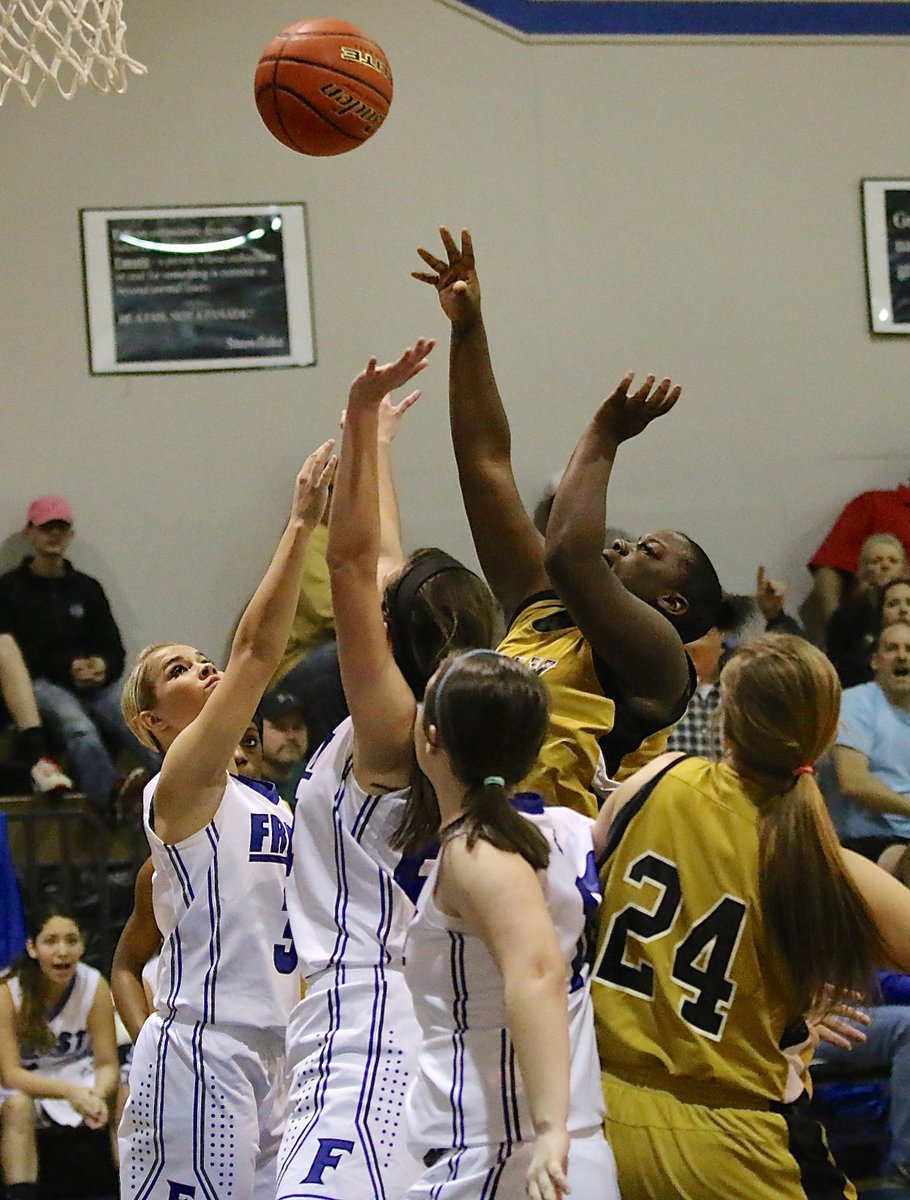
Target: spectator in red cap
(63,624)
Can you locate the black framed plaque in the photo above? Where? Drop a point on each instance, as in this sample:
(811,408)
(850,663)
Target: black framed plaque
(886,218)
(224,288)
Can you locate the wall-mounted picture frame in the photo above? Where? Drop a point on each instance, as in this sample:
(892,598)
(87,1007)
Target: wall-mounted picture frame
(886,220)
(220,288)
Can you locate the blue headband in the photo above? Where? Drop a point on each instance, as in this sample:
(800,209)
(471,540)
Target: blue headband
(451,667)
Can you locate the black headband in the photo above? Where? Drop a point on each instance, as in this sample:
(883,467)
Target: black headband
(399,602)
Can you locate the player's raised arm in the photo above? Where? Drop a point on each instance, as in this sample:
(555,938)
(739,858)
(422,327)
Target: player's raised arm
(381,703)
(627,599)
(509,547)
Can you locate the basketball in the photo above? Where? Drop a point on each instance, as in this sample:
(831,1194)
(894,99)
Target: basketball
(323,87)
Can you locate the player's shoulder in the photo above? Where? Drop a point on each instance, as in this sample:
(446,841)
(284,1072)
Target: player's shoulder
(87,975)
(553,817)
(545,607)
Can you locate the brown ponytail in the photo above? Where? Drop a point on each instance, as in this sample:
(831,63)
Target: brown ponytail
(491,715)
(781,702)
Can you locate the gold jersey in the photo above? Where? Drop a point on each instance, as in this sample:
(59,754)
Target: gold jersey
(688,990)
(588,716)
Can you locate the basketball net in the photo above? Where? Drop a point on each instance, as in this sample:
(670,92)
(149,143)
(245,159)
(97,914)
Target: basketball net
(66,42)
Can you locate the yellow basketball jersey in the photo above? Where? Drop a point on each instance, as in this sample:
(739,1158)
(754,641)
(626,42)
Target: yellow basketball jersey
(688,989)
(587,714)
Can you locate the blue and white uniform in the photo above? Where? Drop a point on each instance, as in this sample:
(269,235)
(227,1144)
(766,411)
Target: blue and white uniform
(468,1117)
(71,1059)
(351,1040)
(207,1083)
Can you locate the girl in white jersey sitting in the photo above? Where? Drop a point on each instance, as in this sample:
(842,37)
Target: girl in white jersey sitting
(207,1091)
(352,1039)
(506,1100)
(58,1049)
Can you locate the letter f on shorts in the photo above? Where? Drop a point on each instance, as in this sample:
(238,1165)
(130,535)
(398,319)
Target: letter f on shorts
(328,1155)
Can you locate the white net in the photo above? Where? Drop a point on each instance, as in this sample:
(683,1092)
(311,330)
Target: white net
(64,42)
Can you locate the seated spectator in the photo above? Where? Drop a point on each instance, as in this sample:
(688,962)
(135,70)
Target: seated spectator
(72,648)
(884,1048)
(855,623)
(17,698)
(872,751)
(286,742)
(699,731)
(835,563)
(894,603)
(58,1048)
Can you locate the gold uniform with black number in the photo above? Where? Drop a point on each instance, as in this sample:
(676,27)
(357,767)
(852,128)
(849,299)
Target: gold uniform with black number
(588,716)
(692,1006)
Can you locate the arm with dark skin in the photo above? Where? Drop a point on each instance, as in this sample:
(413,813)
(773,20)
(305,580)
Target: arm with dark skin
(631,636)
(139,942)
(508,546)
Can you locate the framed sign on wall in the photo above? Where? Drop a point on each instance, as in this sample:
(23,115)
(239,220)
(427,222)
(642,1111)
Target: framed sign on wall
(886,219)
(197,289)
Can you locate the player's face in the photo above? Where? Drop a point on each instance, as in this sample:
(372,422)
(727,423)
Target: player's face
(50,540)
(652,567)
(284,741)
(891,663)
(881,563)
(896,605)
(248,755)
(57,949)
(183,679)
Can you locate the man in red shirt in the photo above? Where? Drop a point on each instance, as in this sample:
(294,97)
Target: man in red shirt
(834,564)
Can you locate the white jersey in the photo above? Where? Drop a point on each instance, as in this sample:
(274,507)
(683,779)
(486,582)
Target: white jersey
(350,897)
(68,1023)
(467,1090)
(218,898)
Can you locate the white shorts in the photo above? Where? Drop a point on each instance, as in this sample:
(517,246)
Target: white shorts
(51,1110)
(495,1173)
(206,1109)
(351,1047)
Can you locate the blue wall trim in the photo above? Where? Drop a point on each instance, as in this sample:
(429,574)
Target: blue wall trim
(757,18)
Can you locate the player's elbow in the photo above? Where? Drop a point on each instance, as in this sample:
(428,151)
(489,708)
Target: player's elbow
(561,558)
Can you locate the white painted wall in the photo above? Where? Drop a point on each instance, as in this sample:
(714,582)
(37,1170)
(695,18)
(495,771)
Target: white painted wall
(687,209)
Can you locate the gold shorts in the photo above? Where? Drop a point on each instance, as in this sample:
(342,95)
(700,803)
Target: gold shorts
(667,1149)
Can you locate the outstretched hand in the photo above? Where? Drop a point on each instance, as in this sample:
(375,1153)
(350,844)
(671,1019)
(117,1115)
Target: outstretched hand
(374,383)
(311,492)
(622,416)
(456,280)
(769,595)
(390,414)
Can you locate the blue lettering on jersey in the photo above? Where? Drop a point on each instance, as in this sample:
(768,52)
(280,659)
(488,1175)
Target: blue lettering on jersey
(589,887)
(270,838)
(177,1191)
(65,1042)
(328,1155)
(412,871)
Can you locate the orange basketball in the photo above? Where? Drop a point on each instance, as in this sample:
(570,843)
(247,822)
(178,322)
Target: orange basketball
(323,87)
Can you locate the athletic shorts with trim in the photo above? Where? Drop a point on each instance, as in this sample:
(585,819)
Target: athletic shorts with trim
(498,1173)
(666,1147)
(51,1110)
(352,1043)
(206,1109)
